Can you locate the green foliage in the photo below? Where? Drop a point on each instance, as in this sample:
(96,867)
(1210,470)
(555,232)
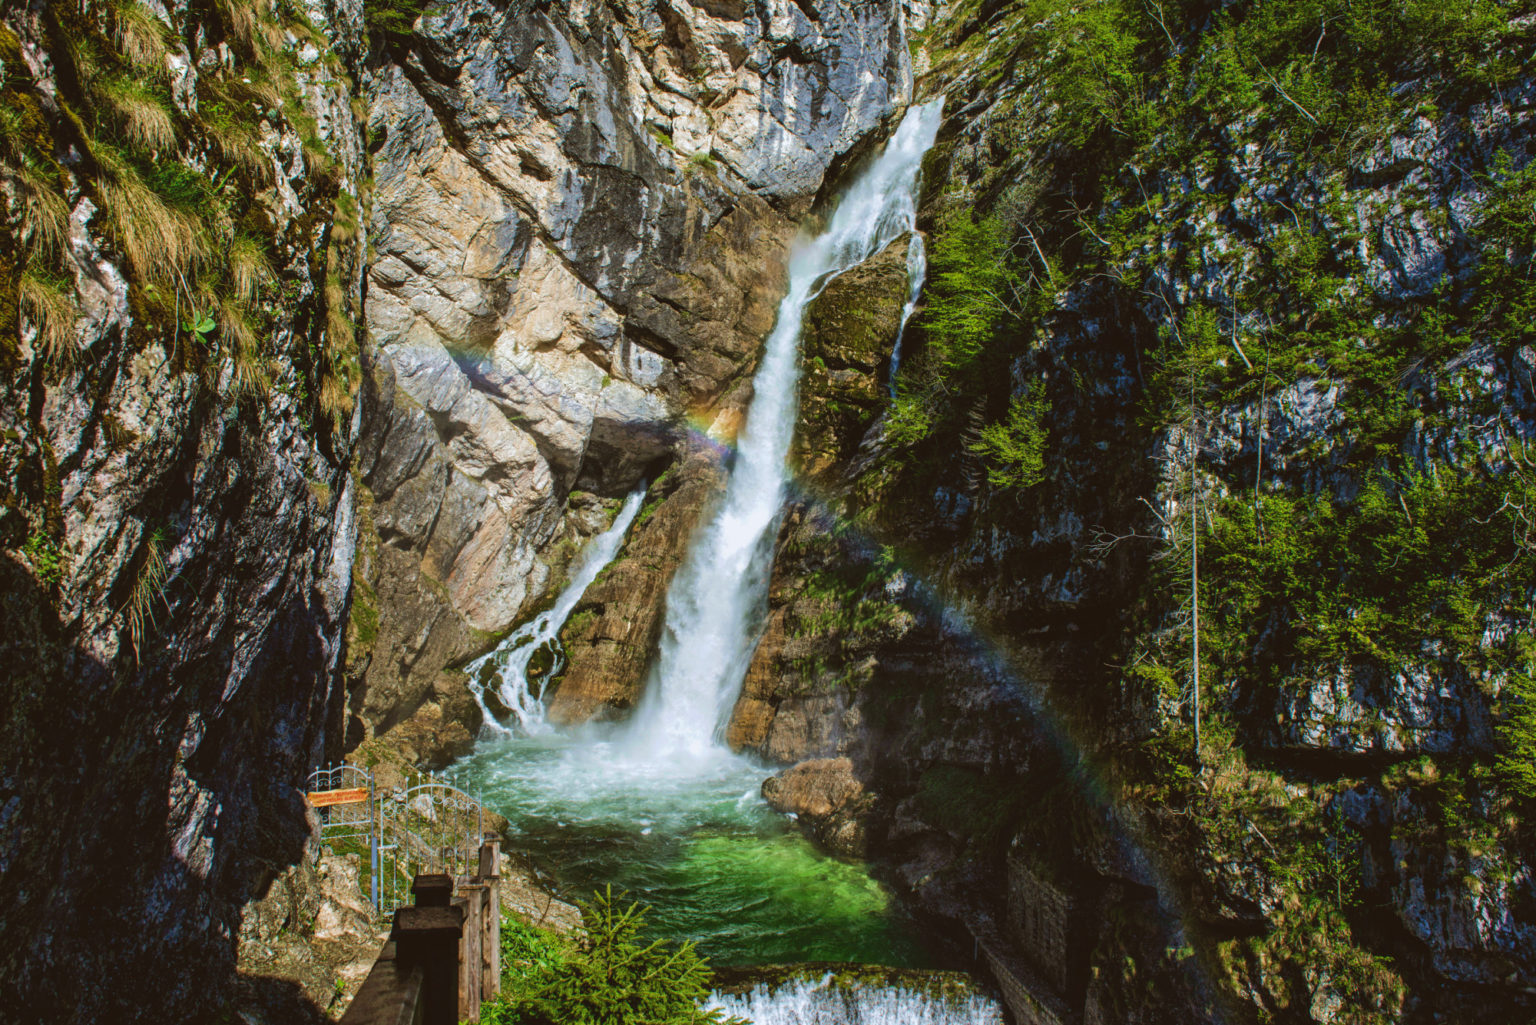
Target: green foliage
(47,561)
(975,290)
(702,161)
(1014,450)
(1429,557)
(909,421)
(201,326)
(610,976)
(395,20)
(1517,735)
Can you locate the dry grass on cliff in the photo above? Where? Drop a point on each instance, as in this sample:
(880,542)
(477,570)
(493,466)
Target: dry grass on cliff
(248,268)
(252,374)
(161,242)
(46,306)
(143,117)
(44,215)
(141,36)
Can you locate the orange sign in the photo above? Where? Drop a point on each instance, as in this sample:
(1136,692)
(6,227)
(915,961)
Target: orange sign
(325,798)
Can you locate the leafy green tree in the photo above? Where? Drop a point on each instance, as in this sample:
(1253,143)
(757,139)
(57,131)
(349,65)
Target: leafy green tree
(974,290)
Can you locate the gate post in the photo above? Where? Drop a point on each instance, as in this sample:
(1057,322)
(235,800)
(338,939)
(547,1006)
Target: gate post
(430,937)
(471,950)
(490,944)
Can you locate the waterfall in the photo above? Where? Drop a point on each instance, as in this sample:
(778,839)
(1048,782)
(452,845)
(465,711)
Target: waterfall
(506,667)
(716,602)
(802,1002)
(917,273)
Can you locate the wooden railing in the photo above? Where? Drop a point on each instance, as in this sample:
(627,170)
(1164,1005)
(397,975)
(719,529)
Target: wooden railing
(443,957)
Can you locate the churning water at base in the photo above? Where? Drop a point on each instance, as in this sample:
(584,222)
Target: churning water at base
(716,604)
(504,671)
(714,863)
(807,1002)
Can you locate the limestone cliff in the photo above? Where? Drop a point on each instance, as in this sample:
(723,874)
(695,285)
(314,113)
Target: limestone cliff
(1287,324)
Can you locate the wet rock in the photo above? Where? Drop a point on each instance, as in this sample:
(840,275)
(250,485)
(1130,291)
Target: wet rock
(850,330)
(828,799)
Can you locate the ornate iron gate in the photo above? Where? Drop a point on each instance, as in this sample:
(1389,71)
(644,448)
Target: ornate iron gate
(427,825)
(424,825)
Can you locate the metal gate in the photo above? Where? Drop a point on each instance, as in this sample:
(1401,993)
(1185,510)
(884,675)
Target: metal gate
(423,825)
(427,825)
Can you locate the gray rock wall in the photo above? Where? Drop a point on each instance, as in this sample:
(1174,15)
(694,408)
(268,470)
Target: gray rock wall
(175,512)
(580,221)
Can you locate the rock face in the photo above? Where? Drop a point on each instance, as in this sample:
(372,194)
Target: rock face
(849,332)
(309,942)
(580,218)
(1005,666)
(175,514)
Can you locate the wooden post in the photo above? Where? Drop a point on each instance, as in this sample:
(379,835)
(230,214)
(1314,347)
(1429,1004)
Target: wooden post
(490,961)
(432,890)
(429,938)
(470,973)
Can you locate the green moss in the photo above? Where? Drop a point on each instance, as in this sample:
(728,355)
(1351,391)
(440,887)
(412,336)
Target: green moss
(971,804)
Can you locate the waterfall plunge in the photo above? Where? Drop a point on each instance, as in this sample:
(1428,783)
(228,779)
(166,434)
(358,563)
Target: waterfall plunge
(808,1003)
(507,666)
(716,602)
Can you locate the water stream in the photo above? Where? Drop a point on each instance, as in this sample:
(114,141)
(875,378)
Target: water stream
(659,806)
(917,273)
(504,671)
(832,1001)
(716,604)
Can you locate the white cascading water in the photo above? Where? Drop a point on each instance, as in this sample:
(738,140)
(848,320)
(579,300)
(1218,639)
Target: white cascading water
(716,602)
(506,667)
(917,273)
(803,1002)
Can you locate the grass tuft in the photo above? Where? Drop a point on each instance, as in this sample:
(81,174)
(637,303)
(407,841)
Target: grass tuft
(248,267)
(50,310)
(44,215)
(162,243)
(141,36)
(252,375)
(144,117)
(148,587)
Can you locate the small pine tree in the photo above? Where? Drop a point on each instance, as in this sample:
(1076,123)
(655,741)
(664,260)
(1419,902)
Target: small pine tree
(1014,450)
(610,977)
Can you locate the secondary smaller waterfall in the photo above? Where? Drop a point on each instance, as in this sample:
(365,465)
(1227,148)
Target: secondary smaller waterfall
(506,668)
(917,273)
(715,603)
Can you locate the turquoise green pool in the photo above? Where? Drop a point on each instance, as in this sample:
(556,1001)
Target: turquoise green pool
(695,842)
